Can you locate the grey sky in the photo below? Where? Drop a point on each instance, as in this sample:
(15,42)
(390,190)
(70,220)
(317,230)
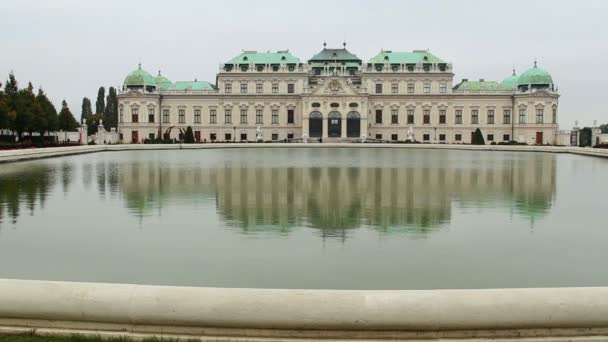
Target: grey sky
(71,47)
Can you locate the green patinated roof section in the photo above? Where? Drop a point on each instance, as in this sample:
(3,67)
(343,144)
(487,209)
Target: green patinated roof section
(405,57)
(535,75)
(510,82)
(162,82)
(264,58)
(334,55)
(478,85)
(331,64)
(140,78)
(192,85)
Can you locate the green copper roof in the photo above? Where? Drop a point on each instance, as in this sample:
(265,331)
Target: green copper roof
(192,85)
(479,85)
(535,75)
(510,82)
(139,78)
(329,55)
(253,57)
(405,57)
(162,82)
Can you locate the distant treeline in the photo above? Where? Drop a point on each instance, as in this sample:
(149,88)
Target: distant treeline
(106,109)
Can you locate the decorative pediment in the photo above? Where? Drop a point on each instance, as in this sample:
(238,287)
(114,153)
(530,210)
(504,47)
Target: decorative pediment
(335,86)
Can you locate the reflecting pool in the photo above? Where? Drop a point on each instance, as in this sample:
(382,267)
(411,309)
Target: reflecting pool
(335,218)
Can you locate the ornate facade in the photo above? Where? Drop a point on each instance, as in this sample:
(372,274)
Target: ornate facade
(335,96)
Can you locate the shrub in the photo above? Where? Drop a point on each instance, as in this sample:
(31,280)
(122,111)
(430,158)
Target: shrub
(189,136)
(478,138)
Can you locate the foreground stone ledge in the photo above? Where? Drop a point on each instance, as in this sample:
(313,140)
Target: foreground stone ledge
(35,153)
(47,307)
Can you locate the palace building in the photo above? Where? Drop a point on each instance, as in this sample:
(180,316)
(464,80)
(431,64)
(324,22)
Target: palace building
(335,96)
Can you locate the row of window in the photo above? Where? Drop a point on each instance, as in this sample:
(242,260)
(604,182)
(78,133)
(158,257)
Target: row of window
(426,88)
(212,136)
(491,117)
(259,88)
(259,116)
(442,137)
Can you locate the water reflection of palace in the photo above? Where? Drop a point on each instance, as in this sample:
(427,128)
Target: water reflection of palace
(337,198)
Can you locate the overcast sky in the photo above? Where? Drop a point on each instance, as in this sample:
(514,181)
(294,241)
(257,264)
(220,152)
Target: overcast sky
(71,47)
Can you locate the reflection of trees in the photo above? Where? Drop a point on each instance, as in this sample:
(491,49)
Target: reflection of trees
(337,199)
(24,185)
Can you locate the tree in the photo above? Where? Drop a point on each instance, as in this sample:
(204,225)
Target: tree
(111,113)
(478,138)
(66,120)
(47,112)
(189,136)
(100,105)
(24,107)
(86,111)
(3,110)
(604,128)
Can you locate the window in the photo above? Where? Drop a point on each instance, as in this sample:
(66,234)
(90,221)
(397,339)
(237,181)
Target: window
(182,116)
(427,87)
(259,88)
(121,114)
(441,137)
(290,136)
(259,116)
(458,137)
(134,115)
(243,136)
(426,116)
(490,137)
(379,136)
(228,88)
(490,116)
(165,116)
(474,116)
(275,136)
(243,116)
(442,116)
(290,88)
(426,137)
(410,116)
(243,87)
(228,116)
(197,116)
(378,88)
(212,116)
(275,116)
(212,137)
(290,116)
(458,117)
(378,116)
(227,137)
(522,116)
(394,137)
(443,87)
(275,88)
(506,117)
(410,88)
(539,115)
(151,115)
(506,137)
(394,88)
(197,136)
(554,119)
(394,116)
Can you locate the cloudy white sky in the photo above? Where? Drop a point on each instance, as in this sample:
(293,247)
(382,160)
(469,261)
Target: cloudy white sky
(71,47)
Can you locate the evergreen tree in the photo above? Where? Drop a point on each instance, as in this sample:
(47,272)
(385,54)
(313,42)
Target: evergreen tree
(100,105)
(604,128)
(11,88)
(48,112)
(24,107)
(87,110)
(66,120)
(3,110)
(478,138)
(111,113)
(189,136)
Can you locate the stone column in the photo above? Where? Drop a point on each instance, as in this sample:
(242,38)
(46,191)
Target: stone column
(343,126)
(305,132)
(325,125)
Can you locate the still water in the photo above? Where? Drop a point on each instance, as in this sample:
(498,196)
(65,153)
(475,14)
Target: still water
(342,218)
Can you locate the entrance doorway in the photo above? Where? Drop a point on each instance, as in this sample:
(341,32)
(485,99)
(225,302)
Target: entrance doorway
(334,122)
(353,125)
(315,125)
(539,138)
(134,137)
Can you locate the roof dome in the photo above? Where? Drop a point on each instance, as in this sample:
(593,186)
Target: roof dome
(510,82)
(139,78)
(162,82)
(535,75)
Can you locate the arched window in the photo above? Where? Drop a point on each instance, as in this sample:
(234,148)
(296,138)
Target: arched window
(353,115)
(334,115)
(316,115)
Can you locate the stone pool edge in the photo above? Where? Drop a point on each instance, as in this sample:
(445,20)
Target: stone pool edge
(36,153)
(233,314)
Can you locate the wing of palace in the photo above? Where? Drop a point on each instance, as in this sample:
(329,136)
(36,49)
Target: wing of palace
(335,96)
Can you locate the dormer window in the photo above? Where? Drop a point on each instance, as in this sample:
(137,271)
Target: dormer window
(245,58)
(425,58)
(283,58)
(386,58)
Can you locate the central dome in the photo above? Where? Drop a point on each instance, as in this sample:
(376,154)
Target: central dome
(510,82)
(140,79)
(535,76)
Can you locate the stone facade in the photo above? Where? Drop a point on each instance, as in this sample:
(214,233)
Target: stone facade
(395,96)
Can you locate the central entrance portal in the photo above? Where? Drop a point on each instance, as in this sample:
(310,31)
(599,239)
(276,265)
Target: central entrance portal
(353,125)
(334,125)
(315,125)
